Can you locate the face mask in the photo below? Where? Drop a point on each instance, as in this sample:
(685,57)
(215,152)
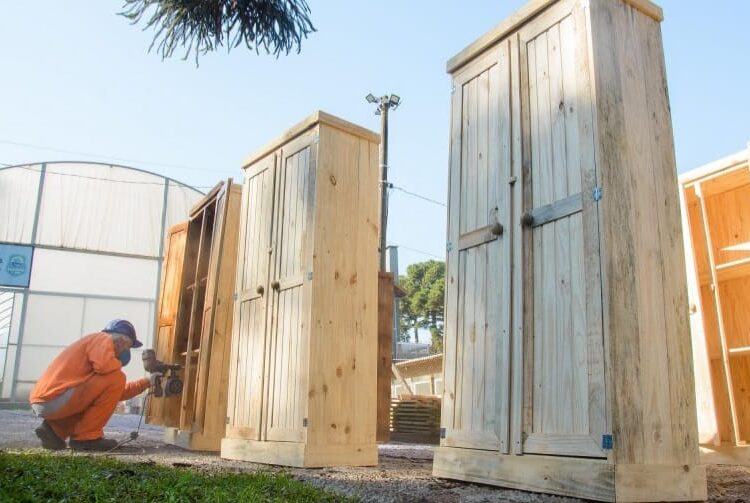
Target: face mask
(124,357)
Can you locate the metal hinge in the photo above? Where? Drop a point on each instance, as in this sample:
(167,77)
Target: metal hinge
(442,432)
(304,422)
(316,139)
(448,246)
(607,441)
(309,276)
(227,421)
(597,194)
(234,296)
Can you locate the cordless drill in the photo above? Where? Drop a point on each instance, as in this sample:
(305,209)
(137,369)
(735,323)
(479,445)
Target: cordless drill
(169,371)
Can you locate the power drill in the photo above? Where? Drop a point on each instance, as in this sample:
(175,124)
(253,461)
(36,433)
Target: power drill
(173,383)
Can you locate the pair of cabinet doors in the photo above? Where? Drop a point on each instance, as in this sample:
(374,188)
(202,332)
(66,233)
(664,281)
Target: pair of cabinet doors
(524,353)
(268,375)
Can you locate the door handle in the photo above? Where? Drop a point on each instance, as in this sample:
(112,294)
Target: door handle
(527,219)
(260,290)
(275,285)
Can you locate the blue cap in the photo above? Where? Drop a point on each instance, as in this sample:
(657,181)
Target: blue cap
(123,327)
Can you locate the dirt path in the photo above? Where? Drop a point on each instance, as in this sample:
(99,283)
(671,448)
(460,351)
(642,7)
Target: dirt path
(403,475)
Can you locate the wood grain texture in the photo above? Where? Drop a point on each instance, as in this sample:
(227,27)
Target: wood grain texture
(166,411)
(204,311)
(597,304)
(305,361)
(586,478)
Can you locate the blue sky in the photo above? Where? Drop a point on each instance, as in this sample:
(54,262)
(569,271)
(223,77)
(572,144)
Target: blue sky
(76,77)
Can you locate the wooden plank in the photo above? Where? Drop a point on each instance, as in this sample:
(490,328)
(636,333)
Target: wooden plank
(580,106)
(397,373)
(557,210)
(517,245)
(636,483)
(563,444)
(477,237)
(590,479)
(727,372)
(452,262)
(616,239)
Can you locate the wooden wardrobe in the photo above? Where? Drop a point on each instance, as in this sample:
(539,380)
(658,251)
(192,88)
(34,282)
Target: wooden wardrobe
(568,367)
(716,216)
(304,347)
(199,274)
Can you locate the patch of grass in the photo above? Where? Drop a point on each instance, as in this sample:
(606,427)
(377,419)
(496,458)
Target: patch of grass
(34,477)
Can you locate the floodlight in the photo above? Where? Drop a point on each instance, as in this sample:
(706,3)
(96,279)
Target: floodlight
(395,100)
(370,98)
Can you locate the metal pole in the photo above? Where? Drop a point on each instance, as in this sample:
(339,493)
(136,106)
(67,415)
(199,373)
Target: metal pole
(383,179)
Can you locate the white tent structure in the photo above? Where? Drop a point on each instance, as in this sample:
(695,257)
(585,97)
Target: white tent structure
(80,243)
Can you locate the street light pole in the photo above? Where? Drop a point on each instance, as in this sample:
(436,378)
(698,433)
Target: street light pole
(385,103)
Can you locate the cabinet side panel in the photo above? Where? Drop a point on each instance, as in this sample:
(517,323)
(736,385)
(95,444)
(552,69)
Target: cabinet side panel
(653,404)
(343,339)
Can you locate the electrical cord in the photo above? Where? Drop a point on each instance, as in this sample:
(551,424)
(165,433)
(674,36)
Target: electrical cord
(133,434)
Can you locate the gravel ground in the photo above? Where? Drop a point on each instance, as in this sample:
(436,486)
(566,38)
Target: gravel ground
(403,475)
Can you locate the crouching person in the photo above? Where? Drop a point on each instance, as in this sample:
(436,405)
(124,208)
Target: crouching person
(80,389)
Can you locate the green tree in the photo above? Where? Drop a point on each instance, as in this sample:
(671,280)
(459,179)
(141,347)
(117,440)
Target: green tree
(423,306)
(276,26)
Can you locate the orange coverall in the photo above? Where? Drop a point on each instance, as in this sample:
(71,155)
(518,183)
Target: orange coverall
(92,369)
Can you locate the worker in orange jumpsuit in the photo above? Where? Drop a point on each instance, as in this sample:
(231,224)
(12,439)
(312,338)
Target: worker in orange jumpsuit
(80,389)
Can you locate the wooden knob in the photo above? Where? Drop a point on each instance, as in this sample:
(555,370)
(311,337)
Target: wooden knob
(497,229)
(260,290)
(527,219)
(275,285)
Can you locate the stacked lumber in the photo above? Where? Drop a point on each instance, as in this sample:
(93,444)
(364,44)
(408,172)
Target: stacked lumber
(415,419)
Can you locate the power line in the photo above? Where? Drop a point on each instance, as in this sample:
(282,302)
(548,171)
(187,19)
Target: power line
(419,196)
(419,251)
(74,175)
(120,159)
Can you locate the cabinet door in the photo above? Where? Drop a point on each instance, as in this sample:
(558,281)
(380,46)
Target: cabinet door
(247,364)
(292,261)
(564,357)
(477,338)
(166,410)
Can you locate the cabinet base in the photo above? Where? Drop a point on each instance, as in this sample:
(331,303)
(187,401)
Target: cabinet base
(191,441)
(578,477)
(298,454)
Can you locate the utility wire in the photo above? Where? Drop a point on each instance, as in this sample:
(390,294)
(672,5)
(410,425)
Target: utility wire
(134,182)
(418,251)
(120,159)
(419,196)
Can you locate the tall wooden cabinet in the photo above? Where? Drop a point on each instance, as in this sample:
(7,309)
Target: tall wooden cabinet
(716,215)
(567,354)
(199,336)
(304,348)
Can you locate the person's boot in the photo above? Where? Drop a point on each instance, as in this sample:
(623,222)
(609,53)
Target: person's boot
(49,438)
(99,444)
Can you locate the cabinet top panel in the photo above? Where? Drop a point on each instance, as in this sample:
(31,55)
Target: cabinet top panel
(308,123)
(732,164)
(522,16)
(211,195)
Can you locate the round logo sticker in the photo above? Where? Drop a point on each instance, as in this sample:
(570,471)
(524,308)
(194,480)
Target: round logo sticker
(16,265)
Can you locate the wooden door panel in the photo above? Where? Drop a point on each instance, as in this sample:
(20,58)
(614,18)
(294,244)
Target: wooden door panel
(476,403)
(166,411)
(566,380)
(248,363)
(287,378)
